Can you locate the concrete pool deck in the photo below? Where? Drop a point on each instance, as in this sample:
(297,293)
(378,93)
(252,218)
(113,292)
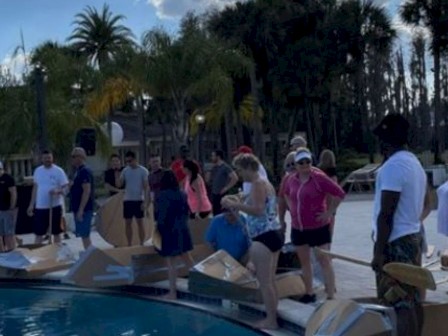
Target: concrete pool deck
(352,237)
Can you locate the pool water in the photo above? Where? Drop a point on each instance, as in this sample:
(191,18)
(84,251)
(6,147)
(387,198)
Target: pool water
(38,311)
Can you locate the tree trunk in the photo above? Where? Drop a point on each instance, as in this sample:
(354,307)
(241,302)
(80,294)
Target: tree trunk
(257,125)
(274,145)
(239,128)
(230,134)
(438,140)
(293,121)
(164,147)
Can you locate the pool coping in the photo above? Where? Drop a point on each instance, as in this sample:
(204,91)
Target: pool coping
(217,307)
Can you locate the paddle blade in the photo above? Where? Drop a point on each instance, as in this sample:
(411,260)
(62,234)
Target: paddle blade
(411,275)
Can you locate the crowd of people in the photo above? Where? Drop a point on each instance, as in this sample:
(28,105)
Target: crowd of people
(249,223)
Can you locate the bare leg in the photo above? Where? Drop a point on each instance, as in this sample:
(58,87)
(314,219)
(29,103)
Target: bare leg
(328,272)
(407,322)
(265,261)
(128,224)
(172,278)
(422,291)
(303,253)
(187,260)
(86,242)
(10,242)
(141,230)
(2,245)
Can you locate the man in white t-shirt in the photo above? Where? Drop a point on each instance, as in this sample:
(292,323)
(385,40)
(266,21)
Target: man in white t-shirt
(49,188)
(399,199)
(261,171)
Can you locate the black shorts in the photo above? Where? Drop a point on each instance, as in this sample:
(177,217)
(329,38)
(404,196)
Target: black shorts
(273,240)
(42,220)
(202,215)
(313,237)
(133,209)
(216,204)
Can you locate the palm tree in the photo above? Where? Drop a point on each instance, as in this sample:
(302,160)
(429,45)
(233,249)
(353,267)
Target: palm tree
(99,35)
(192,71)
(434,16)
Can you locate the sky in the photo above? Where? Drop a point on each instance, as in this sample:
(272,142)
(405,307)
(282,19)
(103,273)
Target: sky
(42,20)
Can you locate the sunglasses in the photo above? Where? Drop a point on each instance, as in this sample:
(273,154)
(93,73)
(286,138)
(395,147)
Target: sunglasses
(303,162)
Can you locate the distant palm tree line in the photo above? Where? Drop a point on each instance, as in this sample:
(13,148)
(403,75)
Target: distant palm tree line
(328,68)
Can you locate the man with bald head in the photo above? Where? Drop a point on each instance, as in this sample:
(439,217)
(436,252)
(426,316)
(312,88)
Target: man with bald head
(81,196)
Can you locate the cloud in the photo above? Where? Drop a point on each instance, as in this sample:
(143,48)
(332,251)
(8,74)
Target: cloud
(408,31)
(381,2)
(14,65)
(172,9)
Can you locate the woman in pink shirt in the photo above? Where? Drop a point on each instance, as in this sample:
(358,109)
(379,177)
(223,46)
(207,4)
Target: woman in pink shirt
(306,191)
(196,191)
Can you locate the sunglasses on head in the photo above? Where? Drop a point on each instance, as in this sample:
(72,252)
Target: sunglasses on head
(303,162)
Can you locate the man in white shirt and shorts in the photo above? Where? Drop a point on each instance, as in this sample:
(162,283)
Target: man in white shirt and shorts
(399,200)
(49,188)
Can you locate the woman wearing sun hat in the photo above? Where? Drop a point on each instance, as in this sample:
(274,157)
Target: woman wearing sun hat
(306,191)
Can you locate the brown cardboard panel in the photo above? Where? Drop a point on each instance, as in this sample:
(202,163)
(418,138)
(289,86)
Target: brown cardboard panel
(221,265)
(110,224)
(105,268)
(42,260)
(222,276)
(435,315)
(346,318)
(123,266)
(152,267)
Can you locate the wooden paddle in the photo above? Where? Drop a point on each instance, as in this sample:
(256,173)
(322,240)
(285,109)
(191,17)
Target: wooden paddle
(408,274)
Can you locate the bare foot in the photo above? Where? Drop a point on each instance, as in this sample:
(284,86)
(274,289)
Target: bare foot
(169,296)
(266,324)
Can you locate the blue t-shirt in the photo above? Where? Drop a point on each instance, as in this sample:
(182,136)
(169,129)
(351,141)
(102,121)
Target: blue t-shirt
(229,237)
(82,175)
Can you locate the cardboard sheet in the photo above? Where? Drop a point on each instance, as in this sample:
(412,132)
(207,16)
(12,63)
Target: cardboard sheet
(128,265)
(35,262)
(222,276)
(347,318)
(435,314)
(110,224)
(123,266)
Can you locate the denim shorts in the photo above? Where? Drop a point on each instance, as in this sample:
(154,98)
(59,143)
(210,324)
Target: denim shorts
(7,223)
(83,226)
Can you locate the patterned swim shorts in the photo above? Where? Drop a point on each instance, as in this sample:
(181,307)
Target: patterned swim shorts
(391,292)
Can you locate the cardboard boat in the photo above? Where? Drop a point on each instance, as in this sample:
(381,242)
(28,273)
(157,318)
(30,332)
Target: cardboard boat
(123,266)
(364,317)
(118,266)
(222,276)
(35,260)
(110,224)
